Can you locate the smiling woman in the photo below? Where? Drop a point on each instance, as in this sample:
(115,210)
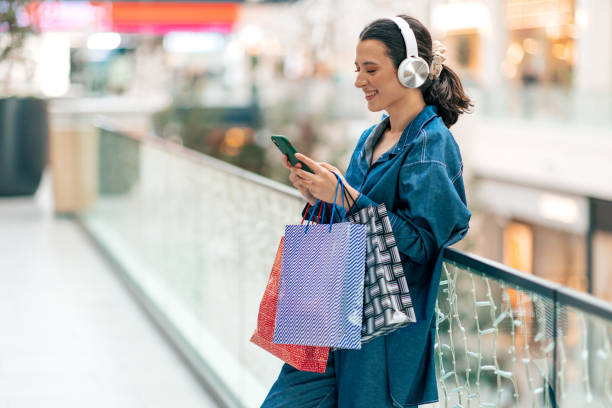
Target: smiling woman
(377,77)
(409,162)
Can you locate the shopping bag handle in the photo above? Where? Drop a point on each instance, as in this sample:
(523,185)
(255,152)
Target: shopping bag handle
(305,212)
(349,198)
(340,184)
(313,209)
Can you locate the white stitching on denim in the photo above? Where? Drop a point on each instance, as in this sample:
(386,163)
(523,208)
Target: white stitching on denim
(407,139)
(421,129)
(395,403)
(424,145)
(425,162)
(458,174)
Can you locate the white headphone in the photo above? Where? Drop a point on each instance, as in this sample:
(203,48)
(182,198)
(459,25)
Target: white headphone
(413,70)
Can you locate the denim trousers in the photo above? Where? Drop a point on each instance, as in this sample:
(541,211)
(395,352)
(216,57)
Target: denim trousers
(336,387)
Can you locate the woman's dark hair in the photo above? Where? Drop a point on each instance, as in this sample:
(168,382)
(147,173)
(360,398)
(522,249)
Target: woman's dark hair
(446,92)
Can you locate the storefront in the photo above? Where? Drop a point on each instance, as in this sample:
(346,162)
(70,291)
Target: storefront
(562,237)
(541,42)
(537,38)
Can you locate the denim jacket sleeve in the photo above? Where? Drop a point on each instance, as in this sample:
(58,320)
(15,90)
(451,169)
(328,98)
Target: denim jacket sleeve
(429,205)
(339,211)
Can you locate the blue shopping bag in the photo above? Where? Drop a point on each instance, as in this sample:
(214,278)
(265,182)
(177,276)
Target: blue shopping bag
(320,295)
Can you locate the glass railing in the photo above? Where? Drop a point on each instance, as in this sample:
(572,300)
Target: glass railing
(504,338)
(196,238)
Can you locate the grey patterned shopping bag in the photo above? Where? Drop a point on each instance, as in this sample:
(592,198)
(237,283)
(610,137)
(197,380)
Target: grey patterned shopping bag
(320,293)
(387,305)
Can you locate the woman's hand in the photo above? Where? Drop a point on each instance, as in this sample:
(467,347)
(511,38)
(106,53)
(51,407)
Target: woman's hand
(322,184)
(297,181)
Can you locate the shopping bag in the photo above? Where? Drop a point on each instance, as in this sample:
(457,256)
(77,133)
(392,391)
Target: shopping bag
(320,294)
(305,358)
(387,305)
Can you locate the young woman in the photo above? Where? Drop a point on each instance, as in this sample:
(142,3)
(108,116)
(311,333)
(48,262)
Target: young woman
(410,162)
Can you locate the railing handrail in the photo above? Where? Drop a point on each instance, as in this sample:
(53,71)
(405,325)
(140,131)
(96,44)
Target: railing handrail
(564,295)
(501,271)
(198,157)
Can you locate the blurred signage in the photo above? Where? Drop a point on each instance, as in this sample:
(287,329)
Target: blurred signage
(163,17)
(134,17)
(69,16)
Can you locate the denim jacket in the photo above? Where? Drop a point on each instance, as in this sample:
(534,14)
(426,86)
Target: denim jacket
(420,181)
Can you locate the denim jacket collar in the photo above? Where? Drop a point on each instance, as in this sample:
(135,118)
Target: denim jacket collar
(374,137)
(411,131)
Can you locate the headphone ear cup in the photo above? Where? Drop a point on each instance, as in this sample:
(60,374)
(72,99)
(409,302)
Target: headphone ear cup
(412,72)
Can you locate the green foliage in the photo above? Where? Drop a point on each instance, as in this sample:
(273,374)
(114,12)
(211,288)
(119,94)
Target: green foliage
(206,129)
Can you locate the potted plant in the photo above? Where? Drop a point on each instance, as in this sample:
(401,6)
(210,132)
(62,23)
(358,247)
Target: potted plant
(23,120)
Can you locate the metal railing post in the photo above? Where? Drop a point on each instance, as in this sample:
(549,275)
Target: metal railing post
(554,383)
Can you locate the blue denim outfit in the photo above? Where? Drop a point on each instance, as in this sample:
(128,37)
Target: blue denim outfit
(420,181)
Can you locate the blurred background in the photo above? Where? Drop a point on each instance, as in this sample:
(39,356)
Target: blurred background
(103,103)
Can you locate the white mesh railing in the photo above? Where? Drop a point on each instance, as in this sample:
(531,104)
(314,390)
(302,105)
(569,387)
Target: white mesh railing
(198,238)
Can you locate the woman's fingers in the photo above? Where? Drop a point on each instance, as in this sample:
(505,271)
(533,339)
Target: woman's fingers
(288,165)
(321,184)
(297,181)
(309,162)
(286,162)
(329,167)
(306,175)
(295,174)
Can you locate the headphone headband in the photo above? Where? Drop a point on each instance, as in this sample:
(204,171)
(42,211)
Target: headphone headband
(413,71)
(409,38)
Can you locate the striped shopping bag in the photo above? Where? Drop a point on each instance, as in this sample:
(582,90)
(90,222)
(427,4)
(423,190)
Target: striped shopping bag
(304,358)
(387,305)
(320,294)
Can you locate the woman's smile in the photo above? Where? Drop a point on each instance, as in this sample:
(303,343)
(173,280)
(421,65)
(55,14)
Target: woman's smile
(370,94)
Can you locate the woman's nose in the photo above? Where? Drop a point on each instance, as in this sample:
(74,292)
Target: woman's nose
(360,82)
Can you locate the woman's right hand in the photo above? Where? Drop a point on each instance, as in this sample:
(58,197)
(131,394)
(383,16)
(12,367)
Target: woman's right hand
(297,181)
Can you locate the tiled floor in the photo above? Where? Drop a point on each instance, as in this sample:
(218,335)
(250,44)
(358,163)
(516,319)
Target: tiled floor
(70,334)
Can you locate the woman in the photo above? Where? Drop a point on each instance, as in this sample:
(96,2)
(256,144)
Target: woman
(410,162)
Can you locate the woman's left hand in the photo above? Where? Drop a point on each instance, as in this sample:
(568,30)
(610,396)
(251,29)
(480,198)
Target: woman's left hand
(322,184)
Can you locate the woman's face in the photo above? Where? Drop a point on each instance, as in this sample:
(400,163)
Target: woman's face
(377,76)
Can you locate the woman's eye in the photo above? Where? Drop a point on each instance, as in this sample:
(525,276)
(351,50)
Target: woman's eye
(371,71)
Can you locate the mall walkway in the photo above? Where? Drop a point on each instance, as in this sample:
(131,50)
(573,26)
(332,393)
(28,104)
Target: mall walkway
(70,333)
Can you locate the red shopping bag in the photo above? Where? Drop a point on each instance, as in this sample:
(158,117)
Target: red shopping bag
(304,358)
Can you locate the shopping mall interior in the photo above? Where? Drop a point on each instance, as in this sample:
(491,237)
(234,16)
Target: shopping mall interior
(142,201)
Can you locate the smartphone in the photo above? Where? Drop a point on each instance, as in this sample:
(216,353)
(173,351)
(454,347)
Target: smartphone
(285,146)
